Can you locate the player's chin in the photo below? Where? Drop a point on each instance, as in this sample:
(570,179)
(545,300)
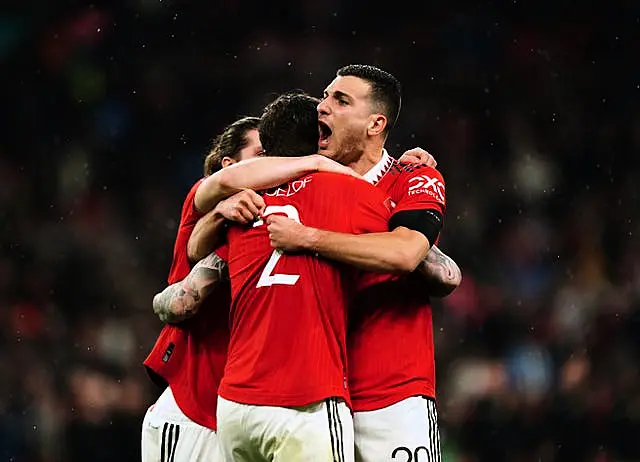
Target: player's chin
(326,150)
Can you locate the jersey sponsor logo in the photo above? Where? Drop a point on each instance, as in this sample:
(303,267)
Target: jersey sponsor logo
(423,184)
(289,189)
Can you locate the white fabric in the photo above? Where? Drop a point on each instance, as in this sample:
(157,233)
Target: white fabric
(407,430)
(170,436)
(321,432)
(377,171)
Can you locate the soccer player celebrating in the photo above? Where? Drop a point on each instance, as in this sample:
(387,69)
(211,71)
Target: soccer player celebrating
(391,355)
(284,393)
(190,357)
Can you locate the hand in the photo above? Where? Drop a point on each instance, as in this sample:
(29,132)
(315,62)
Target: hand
(286,234)
(242,207)
(324,164)
(419,156)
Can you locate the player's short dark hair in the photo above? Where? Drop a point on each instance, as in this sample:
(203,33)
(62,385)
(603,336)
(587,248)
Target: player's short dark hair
(229,143)
(386,91)
(289,125)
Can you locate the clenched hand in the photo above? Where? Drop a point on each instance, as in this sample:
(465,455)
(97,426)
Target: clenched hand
(287,234)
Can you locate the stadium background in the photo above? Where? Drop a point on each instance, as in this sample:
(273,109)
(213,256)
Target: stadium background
(107,111)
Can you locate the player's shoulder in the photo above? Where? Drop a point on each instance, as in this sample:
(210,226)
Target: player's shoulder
(192,192)
(188,206)
(405,171)
(339,180)
(408,168)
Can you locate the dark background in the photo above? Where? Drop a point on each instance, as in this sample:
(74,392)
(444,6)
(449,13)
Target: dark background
(531,109)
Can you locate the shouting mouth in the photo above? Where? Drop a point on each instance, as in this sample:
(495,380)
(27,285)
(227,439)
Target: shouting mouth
(325,133)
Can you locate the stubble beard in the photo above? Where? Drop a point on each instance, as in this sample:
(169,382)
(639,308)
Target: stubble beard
(350,150)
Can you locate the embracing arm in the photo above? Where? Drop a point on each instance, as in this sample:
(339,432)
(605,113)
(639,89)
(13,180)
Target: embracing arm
(258,174)
(441,273)
(240,208)
(182,300)
(397,251)
(400,250)
(205,236)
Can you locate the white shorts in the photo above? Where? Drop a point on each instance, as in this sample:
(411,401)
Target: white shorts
(405,431)
(320,432)
(170,436)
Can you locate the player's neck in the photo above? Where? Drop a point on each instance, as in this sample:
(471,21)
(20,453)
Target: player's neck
(367,161)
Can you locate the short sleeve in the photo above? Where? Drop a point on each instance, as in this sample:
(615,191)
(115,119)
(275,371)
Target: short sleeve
(420,189)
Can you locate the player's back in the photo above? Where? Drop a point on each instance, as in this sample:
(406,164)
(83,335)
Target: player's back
(288,320)
(391,332)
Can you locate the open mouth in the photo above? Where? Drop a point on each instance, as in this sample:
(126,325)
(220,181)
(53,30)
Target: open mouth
(324,132)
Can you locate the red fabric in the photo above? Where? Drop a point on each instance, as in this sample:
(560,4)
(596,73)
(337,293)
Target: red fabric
(191,356)
(391,354)
(288,341)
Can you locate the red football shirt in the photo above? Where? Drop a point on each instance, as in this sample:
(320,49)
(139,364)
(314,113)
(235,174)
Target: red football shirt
(288,319)
(190,356)
(391,355)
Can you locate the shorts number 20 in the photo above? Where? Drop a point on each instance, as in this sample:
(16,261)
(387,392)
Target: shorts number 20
(268,277)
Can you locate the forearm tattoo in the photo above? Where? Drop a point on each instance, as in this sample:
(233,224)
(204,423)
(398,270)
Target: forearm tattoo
(181,300)
(441,273)
(440,265)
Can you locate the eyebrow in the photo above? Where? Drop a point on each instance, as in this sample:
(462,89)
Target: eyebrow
(338,94)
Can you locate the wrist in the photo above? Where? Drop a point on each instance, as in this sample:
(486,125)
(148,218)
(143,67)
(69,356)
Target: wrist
(217,212)
(316,161)
(311,239)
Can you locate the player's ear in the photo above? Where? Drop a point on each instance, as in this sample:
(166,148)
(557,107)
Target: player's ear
(226,161)
(377,124)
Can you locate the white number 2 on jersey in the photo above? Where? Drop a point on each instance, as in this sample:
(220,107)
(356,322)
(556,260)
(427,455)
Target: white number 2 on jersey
(267,278)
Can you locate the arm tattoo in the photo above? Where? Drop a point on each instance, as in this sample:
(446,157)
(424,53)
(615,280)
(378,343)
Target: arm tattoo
(440,262)
(442,273)
(181,300)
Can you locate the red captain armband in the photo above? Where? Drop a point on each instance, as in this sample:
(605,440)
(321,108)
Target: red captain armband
(223,252)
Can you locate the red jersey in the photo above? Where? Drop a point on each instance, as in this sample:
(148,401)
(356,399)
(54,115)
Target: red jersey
(288,318)
(391,354)
(190,356)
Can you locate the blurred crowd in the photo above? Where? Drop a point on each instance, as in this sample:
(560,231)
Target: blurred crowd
(107,113)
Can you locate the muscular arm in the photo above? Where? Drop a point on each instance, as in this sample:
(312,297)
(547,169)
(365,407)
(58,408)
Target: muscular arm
(257,174)
(400,250)
(205,236)
(182,300)
(441,273)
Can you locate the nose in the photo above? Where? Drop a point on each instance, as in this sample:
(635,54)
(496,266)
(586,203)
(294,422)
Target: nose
(323,107)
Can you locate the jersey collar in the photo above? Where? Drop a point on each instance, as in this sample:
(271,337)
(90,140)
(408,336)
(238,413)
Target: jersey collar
(378,170)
